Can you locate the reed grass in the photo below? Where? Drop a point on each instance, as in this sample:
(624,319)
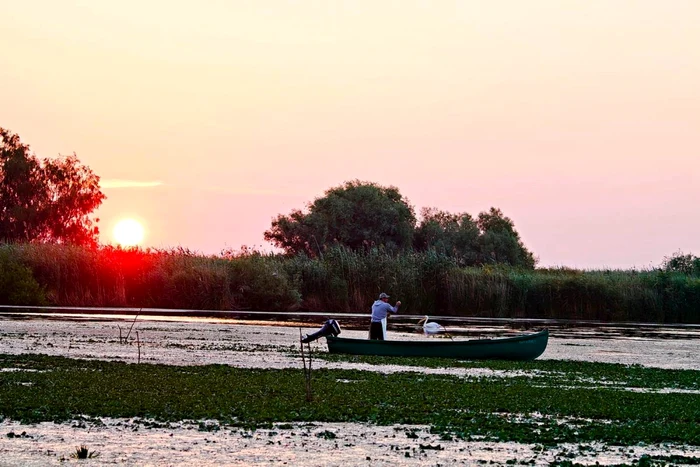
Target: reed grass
(339,281)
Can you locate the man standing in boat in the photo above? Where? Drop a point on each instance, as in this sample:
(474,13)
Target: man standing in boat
(380,310)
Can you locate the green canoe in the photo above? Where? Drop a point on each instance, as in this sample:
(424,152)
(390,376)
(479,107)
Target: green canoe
(524,347)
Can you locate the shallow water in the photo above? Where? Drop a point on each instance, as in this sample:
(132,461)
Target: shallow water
(143,442)
(266,344)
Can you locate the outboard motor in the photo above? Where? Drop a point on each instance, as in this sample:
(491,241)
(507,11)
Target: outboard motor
(330,328)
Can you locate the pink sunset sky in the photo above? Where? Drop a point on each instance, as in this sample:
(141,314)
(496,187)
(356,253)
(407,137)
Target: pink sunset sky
(205,119)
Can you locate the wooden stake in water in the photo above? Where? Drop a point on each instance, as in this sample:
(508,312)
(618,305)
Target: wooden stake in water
(307,371)
(138,344)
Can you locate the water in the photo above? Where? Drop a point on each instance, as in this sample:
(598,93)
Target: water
(183,340)
(252,341)
(134,442)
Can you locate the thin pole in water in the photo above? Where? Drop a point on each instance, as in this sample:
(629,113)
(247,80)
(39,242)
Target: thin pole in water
(138,344)
(307,372)
(132,324)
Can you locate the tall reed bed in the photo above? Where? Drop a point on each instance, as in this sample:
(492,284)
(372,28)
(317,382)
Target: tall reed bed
(76,276)
(340,280)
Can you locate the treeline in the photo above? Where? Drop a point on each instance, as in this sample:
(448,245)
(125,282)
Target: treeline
(342,280)
(364,216)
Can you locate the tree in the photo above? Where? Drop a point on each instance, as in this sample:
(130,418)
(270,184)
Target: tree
(679,262)
(45,200)
(454,235)
(499,242)
(490,239)
(357,215)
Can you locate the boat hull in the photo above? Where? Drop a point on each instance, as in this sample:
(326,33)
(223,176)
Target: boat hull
(524,347)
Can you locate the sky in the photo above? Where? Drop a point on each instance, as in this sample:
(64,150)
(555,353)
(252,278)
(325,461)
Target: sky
(206,119)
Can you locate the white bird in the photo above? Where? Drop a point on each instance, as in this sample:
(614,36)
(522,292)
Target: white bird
(431,328)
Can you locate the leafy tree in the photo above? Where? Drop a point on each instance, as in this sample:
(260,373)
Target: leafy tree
(45,200)
(499,242)
(686,264)
(454,235)
(489,239)
(358,215)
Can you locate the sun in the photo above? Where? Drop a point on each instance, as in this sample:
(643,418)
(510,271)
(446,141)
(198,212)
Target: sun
(128,232)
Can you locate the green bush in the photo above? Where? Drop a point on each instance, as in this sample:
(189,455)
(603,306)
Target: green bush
(17,285)
(683,263)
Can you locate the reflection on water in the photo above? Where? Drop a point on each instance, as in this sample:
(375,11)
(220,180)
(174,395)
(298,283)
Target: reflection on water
(468,327)
(271,343)
(148,442)
(179,340)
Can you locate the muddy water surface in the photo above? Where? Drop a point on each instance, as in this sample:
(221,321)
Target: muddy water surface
(265,344)
(269,344)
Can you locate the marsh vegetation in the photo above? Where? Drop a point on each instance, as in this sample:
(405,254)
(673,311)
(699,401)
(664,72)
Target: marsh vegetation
(340,281)
(557,403)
